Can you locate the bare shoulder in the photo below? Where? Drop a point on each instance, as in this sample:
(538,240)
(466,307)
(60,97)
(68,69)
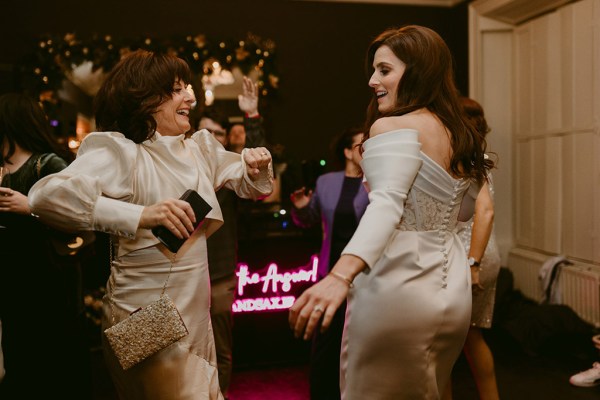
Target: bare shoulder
(433,134)
(388,124)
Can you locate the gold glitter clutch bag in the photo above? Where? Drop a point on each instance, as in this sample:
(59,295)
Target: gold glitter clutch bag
(146,331)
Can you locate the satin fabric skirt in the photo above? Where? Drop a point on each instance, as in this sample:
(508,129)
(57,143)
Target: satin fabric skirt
(407,320)
(186,370)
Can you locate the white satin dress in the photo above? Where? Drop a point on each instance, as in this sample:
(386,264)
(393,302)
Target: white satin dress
(408,314)
(105,189)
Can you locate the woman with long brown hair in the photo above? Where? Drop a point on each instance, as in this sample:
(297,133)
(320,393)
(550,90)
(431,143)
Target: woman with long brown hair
(405,270)
(41,306)
(479,240)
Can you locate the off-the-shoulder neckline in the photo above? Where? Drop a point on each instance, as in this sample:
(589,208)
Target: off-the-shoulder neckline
(435,163)
(441,168)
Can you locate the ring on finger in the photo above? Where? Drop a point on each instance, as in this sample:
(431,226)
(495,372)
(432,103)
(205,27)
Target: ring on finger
(318,308)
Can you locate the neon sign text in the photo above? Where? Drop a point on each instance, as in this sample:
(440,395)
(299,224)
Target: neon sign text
(272,283)
(263,304)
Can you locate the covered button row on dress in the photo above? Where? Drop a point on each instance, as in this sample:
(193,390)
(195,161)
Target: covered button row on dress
(443,231)
(442,236)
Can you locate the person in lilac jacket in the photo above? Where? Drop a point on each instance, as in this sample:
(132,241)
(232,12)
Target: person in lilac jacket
(337,202)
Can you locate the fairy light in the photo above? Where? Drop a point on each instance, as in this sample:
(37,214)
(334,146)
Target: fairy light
(48,71)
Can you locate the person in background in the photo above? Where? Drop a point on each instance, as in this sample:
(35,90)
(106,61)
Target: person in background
(590,377)
(44,341)
(405,269)
(217,123)
(337,203)
(222,246)
(126,180)
(479,240)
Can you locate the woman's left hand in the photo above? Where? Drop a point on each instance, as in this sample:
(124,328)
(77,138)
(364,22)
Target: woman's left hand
(475,282)
(319,301)
(256,159)
(13,201)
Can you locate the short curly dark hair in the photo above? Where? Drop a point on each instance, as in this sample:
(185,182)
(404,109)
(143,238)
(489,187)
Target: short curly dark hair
(134,89)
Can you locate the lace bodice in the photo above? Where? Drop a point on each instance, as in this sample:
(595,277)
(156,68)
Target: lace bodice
(408,191)
(434,201)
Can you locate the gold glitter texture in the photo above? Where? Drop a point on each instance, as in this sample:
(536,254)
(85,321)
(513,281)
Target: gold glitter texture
(146,332)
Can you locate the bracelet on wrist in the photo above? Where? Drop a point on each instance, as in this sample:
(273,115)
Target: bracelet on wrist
(342,278)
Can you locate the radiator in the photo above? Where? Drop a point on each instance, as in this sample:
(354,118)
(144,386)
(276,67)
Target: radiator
(580,288)
(579,285)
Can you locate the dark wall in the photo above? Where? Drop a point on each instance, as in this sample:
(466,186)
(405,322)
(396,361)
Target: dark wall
(320,48)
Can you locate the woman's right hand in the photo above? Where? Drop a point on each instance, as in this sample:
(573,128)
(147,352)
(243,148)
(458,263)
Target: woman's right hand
(13,201)
(321,301)
(300,198)
(318,303)
(174,214)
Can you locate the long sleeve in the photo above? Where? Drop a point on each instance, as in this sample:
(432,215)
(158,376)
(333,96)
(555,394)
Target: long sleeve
(390,163)
(92,193)
(228,169)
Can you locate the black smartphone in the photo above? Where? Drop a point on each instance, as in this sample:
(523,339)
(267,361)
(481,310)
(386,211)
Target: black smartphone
(201,209)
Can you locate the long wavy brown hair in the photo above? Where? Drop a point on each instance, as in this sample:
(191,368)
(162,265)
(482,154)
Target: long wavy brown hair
(428,82)
(474,112)
(133,91)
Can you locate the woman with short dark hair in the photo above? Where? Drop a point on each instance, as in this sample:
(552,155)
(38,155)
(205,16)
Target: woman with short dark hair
(127,180)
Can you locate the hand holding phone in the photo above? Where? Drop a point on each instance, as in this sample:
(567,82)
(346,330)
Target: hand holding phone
(200,207)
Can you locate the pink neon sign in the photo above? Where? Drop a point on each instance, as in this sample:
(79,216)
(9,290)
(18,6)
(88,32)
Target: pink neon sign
(272,283)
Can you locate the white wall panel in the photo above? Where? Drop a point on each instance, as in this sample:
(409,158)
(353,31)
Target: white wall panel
(596,199)
(497,59)
(553,192)
(553,82)
(569,196)
(539,74)
(583,56)
(579,188)
(524,193)
(596,111)
(538,192)
(556,128)
(523,84)
(567,69)
(596,72)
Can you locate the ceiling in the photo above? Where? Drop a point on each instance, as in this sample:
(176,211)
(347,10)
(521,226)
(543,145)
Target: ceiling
(430,3)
